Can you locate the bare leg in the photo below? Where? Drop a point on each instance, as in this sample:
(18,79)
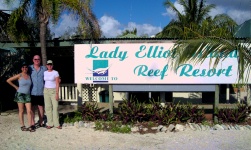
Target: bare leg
(33,108)
(41,114)
(28,110)
(21,113)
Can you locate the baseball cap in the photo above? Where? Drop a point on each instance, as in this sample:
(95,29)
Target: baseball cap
(49,62)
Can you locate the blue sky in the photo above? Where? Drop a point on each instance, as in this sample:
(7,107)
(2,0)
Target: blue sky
(148,16)
(138,11)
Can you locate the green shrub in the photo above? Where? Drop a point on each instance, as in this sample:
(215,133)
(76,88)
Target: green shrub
(70,117)
(90,111)
(233,115)
(131,111)
(112,126)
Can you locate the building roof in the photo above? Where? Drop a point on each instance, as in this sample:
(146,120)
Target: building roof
(8,49)
(129,36)
(244,30)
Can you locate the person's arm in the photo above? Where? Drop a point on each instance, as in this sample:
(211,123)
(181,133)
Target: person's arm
(57,88)
(16,77)
(59,80)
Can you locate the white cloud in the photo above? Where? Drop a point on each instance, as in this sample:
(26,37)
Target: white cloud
(11,6)
(66,22)
(143,29)
(238,10)
(239,16)
(110,27)
(170,13)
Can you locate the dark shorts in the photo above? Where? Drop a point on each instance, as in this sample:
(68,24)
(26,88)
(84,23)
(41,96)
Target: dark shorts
(37,100)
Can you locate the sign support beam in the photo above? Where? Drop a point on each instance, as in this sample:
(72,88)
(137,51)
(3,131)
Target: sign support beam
(216,102)
(110,99)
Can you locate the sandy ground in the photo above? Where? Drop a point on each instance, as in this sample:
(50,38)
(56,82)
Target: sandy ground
(12,138)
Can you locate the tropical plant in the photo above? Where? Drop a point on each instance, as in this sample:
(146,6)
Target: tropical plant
(195,12)
(3,24)
(114,126)
(195,21)
(50,10)
(221,47)
(202,36)
(24,29)
(10,61)
(131,111)
(233,115)
(127,32)
(91,111)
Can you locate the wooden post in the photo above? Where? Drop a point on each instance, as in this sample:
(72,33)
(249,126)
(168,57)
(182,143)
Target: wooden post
(227,94)
(79,95)
(110,99)
(216,102)
(249,94)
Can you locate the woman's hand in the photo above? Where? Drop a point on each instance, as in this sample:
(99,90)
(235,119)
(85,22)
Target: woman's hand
(16,77)
(16,87)
(57,97)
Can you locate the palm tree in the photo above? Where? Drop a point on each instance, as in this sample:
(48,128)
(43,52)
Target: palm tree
(126,32)
(25,27)
(50,10)
(185,50)
(202,35)
(195,12)
(3,24)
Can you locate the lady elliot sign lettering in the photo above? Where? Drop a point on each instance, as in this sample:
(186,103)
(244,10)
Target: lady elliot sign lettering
(147,63)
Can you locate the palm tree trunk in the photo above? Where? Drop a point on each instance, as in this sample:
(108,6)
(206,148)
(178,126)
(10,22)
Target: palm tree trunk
(43,42)
(43,20)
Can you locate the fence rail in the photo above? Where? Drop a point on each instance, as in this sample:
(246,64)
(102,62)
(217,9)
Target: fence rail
(68,92)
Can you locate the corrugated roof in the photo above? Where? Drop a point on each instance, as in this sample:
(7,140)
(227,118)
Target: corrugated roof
(9,49)
(129,36)
(244,30)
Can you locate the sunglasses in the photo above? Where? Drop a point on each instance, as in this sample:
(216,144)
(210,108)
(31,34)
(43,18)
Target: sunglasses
(36,59)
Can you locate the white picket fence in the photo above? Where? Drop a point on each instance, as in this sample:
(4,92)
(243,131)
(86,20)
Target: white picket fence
(68,92)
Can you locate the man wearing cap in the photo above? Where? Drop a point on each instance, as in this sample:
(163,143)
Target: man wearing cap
(37,98)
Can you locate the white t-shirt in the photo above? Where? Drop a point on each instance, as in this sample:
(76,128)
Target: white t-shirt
(50,79)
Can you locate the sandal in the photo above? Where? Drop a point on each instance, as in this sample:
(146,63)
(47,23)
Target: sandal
(41,125)
(23,128)
(32,128)
(59,127)
(49,127)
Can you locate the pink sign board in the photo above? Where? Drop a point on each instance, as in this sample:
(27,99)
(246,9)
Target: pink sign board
(146,63)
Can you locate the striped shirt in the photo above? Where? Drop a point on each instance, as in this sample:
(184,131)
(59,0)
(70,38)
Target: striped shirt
(37,78)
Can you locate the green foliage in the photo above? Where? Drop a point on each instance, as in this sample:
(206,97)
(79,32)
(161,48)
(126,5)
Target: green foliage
(10,62)
(114,126)
(130,111)
(21,25)
(71,117)
(233,115)
(238,85)
(195,21)
(91,112)
(175,113)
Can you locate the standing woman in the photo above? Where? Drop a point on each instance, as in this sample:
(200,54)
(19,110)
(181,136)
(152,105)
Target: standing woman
(51,88)
(22,96)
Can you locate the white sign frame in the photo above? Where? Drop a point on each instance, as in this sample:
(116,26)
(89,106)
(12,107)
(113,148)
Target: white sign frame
(146,63)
